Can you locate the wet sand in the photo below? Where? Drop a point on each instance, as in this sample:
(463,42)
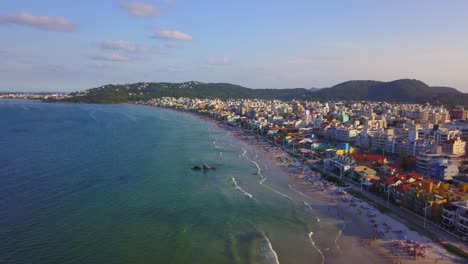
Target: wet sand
(359,238)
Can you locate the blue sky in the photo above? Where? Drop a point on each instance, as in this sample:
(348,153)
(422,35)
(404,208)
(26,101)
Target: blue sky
(68,45)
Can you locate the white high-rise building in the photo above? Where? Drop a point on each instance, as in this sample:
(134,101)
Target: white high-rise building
(307,113)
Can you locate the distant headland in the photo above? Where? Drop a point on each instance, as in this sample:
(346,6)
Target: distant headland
(398,91)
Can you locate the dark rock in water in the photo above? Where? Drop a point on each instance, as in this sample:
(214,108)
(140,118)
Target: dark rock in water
(204,167)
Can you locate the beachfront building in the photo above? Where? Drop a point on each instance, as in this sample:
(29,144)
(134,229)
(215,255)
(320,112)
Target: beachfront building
(455,218)
(394,181)
(398,185)
(340,164)
(364,174)
(426,193)
(422,200)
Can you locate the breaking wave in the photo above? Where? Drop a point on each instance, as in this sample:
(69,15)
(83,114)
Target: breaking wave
(259,170)
(318,249)
(271,257)
(294,189)
(240,189)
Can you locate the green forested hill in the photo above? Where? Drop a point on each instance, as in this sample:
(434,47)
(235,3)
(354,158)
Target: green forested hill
(145,91)
(405,90)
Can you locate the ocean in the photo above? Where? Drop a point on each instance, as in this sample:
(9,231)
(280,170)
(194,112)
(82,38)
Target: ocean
(113,184)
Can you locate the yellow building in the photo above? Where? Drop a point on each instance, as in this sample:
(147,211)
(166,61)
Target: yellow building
(455,146)
(344,151)
(432,197)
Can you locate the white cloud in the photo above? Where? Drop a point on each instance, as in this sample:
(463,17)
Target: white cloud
(140,9)
(219,61)
(173,35)
(123,45)
(40,22)
(111,57)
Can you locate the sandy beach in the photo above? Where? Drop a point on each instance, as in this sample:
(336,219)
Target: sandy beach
(364,235)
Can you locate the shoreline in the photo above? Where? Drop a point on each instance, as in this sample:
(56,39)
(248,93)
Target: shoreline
(342,248)
(361,238)
(356,231)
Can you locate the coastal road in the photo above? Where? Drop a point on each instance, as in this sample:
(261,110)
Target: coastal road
(405,215)
(399,213)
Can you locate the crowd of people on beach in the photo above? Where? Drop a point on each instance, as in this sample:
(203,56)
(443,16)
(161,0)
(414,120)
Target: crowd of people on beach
(384,233)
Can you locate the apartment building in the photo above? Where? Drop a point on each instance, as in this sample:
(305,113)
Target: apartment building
(455,218)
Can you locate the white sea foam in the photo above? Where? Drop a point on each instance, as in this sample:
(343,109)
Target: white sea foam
(294,189)
(278,192)
(273,258)
(240,189)
(259,171)
(318,249)
(340,232)
(216,146)
(264,178)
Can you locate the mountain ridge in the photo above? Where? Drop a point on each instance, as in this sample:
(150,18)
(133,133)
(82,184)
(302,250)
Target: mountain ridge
(402,90)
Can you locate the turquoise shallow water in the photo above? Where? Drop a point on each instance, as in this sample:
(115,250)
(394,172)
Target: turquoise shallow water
(113,184)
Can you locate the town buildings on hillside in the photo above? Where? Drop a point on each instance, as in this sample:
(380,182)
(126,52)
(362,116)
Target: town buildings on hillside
(414,155)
